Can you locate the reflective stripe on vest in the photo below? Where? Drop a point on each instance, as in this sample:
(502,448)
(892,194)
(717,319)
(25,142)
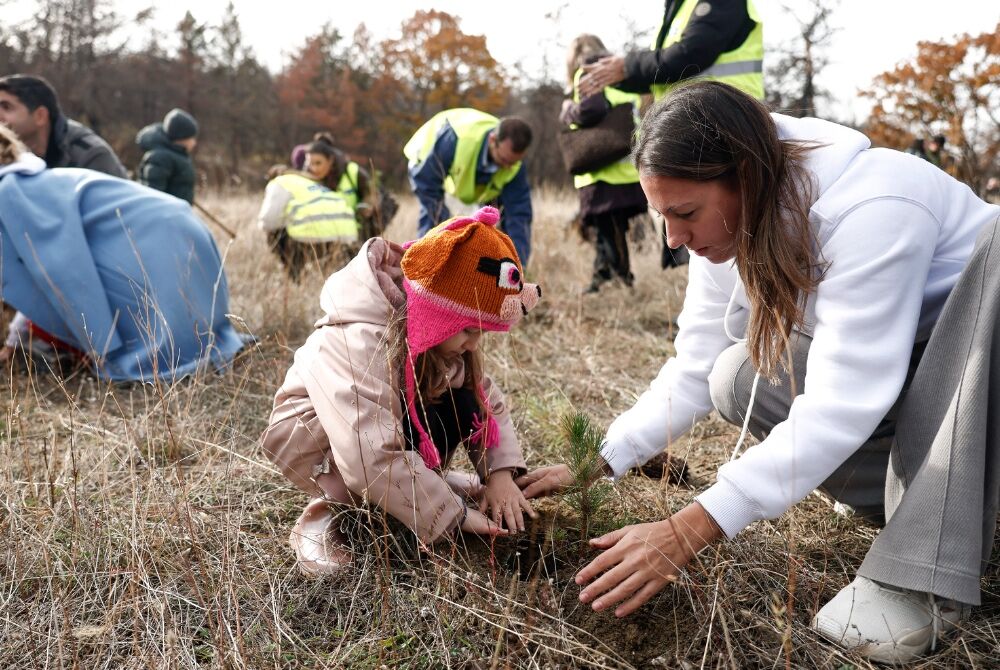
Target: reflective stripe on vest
(743,67)
(471,128)
(315,213)
(622,171)
(348,184)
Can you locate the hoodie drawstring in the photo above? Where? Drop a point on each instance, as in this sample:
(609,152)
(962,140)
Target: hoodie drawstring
(756,377)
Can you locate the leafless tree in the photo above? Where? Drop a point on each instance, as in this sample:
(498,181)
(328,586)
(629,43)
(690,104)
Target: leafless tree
(791,80)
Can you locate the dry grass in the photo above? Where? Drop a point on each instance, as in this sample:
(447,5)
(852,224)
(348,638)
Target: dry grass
(142,527)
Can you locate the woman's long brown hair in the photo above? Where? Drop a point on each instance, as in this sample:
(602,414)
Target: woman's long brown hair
(584,49)
(708,130)
(322,144)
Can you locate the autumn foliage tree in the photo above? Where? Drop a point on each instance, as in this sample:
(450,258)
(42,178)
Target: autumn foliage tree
(371,94)
(316,91)
(442,67)
(950,88)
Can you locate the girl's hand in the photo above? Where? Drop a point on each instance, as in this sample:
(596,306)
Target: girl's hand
(504,502)
(476,522)
(545,481)
(640,560)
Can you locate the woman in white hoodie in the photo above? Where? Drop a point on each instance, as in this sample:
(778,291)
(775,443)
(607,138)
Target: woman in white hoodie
(820,278)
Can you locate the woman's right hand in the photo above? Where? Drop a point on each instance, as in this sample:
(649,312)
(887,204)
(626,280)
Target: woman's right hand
(477,522)
(545,481)
(607,71)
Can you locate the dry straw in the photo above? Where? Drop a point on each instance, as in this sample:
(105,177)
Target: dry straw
(141,527)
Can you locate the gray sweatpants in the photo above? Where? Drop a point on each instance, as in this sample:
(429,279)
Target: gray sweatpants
(934,461)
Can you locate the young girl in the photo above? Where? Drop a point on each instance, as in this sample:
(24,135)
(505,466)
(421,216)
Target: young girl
(391,383)
(841,305)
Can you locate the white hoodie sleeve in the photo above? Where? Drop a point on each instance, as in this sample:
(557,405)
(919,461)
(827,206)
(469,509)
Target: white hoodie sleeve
(679,395)
(272,210)
(867,308)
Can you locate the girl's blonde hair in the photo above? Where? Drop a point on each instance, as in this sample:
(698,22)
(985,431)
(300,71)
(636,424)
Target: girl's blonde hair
(10,147)
(430,367)
(707,131)
(584,49)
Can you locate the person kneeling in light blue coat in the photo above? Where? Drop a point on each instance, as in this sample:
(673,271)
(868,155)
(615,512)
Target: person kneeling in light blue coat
(124,277)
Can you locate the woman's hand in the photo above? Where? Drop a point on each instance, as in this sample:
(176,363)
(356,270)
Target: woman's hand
(6,355)
(640,560)
(476,522)
(545,481)
(607,71)
(504,502)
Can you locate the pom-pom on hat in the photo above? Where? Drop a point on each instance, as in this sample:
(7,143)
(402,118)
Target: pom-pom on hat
(463,274)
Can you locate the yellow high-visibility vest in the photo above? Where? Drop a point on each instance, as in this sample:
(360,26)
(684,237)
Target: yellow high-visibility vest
(348,184)
(471,127)
(622,171)
(315,213)
(743,67)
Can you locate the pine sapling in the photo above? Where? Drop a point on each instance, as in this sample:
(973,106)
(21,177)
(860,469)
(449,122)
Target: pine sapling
(588,492)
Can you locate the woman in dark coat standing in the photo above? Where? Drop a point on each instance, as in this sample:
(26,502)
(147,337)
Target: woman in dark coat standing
(610,195)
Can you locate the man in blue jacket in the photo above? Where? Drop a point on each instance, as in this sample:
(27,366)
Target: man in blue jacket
(475,157)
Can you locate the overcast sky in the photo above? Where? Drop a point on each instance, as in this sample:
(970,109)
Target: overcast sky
(874,34)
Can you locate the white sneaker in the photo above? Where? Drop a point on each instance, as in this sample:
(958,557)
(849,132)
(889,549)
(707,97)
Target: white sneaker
(887,624)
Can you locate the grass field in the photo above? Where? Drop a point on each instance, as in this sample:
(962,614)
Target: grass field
(142,527)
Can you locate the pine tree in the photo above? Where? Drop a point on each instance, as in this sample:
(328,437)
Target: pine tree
(588,492)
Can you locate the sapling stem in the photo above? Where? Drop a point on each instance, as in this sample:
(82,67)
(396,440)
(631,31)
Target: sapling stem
(587,492)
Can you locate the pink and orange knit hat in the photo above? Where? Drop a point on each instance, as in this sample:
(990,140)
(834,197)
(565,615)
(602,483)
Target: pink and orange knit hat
(463,274)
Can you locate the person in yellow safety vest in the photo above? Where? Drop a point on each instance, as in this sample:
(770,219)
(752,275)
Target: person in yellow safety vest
(477,158)
(721,40)
(327,164)
(305,219)
(611,195)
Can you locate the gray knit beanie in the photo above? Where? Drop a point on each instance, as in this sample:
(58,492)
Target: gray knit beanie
(179,125)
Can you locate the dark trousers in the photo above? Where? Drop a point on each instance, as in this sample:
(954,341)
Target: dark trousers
(295,256)
(612,259)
